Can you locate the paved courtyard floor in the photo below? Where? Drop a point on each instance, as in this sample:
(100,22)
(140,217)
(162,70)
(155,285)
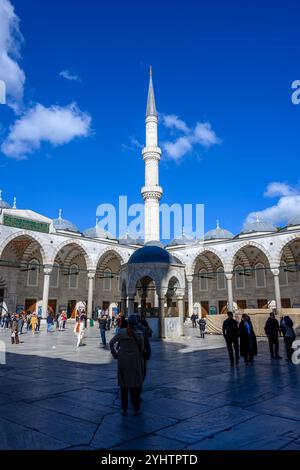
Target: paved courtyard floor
(54,396)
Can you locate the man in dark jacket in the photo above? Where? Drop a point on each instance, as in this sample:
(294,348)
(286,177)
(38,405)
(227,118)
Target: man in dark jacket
(272,331)
(231,335)
(248,343)
(103,327)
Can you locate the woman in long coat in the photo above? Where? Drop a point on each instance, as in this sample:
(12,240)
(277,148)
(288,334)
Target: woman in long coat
(130,349)
(248,343)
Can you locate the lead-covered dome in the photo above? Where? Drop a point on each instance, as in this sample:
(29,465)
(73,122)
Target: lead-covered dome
(258,225)
(218,233)
(152,252)
(3,204)
(97,232)
(63,224)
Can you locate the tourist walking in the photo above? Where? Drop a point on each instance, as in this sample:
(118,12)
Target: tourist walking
(194,320)
(286,326)
(28,321)
(79,331)
(231,335)
(248,343)
(14,329)
(20,323)
(130,343)
(39,319)
(33,322)
(50,323)
(272,331)
(61,322)
(102,327)
(202,326)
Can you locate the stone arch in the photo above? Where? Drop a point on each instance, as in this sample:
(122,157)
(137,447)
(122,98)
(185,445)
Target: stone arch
(80,245)
(145,272)
(115,251)
(247,243)
(32,236)
(202,251)
(284,244)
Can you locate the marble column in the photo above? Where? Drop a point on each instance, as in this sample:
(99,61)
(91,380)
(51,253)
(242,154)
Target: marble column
(131,304)
(181,314)
(161,302)
(47,276)
(91,277)
(190,295)
(276,273)
(229,291)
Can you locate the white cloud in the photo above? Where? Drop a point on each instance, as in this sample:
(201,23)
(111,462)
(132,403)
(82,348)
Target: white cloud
(279,189)
(133,145)
(176,150)
(56,125)
(172,121)
(10,42)
(287,207)
(69,76)
(202,134)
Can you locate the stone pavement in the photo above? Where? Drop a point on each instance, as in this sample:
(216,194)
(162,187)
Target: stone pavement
(53,396)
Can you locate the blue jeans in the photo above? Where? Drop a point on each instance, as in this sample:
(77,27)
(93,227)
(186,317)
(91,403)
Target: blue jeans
(103,337)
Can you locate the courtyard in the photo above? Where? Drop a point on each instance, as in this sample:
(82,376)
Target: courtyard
(54,396)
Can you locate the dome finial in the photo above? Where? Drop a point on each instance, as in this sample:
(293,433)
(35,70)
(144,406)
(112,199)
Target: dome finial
(257,218)
(15,203)
(0,194)
(59,214)
(97,220)
(218,225)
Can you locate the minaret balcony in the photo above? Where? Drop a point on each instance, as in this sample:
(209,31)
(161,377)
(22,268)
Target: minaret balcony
(151,152)
(152,192)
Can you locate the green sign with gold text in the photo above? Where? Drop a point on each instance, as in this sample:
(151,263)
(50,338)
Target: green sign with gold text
(25,224)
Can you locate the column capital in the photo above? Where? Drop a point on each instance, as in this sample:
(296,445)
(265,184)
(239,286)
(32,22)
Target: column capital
(48,269)
(91,274)
(179,297)
(189,278)
(229,276)
(275,271)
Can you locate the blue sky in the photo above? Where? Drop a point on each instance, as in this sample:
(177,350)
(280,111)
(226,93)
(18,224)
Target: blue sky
(229,65)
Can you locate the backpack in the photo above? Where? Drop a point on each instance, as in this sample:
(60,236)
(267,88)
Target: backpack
(289,322)
(78,328)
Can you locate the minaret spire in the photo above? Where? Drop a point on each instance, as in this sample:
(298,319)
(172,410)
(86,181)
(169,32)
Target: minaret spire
(151,108)
(151,192)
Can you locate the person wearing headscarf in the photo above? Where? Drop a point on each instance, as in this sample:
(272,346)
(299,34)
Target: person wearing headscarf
(127,346)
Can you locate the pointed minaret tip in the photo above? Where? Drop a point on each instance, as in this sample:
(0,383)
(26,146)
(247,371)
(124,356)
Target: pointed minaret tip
(151,108)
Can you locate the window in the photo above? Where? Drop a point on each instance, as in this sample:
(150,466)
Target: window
(260,275)
(283,274)
(203,285)
(221,280)
(239,277)
(54,275)
(107,275)
(33,273)
(73,276)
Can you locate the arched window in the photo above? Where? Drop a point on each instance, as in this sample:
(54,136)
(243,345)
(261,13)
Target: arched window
(54,275)
(260,275)
(73,276)
(283,274)
(107,275)
(221,279)
(239,277)
(203,284)
(33,273)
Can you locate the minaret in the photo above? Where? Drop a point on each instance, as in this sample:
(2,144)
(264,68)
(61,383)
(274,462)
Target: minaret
(151,192)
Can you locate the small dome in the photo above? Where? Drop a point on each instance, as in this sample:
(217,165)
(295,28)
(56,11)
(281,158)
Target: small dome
(97,232)
(151,253)
(258,226)
(184,240)
(3,204)
(294,220)
(218,233)
(63,224)
(129,240)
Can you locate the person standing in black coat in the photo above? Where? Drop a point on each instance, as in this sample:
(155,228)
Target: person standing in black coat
(248,343)
(272,330)
(231,335)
